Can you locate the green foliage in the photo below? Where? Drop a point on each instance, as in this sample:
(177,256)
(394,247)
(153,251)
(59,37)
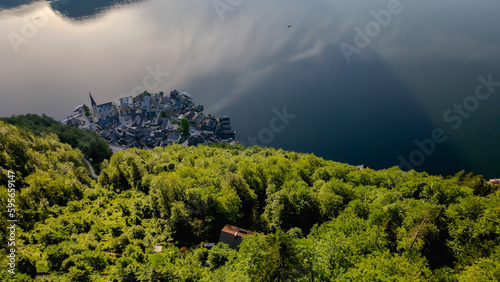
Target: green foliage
(91,145)
(387,267)
(219,255)
(137,232)
(275,258)
(79,272)
(55,256)
(483,269)
(293,206)
(324,221)
(86,110)
(134,252)
(48,174)
(185,126)
(26,265)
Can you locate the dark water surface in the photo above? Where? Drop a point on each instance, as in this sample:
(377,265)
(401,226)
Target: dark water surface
(423,59)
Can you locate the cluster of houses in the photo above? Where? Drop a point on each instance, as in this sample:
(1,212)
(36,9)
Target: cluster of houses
(152,120)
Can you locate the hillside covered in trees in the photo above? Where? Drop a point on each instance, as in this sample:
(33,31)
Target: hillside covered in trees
(91,145)
(316,220)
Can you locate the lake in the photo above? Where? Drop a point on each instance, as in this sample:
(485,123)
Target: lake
(379,83)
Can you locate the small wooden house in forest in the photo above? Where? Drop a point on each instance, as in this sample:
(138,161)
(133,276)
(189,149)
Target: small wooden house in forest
(233,236)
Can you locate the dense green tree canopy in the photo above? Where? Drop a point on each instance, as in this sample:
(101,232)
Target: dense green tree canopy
(315,220)
(91,145)
(185,126)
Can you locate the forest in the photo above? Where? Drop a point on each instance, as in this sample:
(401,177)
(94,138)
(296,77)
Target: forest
(91,145)
(315,219)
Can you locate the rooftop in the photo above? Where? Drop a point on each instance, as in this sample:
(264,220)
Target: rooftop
(236,231)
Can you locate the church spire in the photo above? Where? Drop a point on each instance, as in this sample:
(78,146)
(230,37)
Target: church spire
(92,102)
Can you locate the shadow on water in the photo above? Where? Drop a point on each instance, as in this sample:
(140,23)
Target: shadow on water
(358,113)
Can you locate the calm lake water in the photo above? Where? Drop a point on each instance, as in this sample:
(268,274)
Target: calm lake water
(366,82)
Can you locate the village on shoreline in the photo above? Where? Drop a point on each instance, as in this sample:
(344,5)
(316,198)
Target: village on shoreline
(152,120)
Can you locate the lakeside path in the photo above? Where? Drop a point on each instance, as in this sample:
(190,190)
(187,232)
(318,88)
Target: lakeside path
(92,172)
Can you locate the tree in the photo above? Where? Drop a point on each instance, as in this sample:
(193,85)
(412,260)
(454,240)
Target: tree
(179,222)
(219,255)
(55,255)
(272,258)
(185,126)
(338,223)
(95,259)
(26,265)
(91,145)
(86,110)
(387,267)
(294,206)
(80,272)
